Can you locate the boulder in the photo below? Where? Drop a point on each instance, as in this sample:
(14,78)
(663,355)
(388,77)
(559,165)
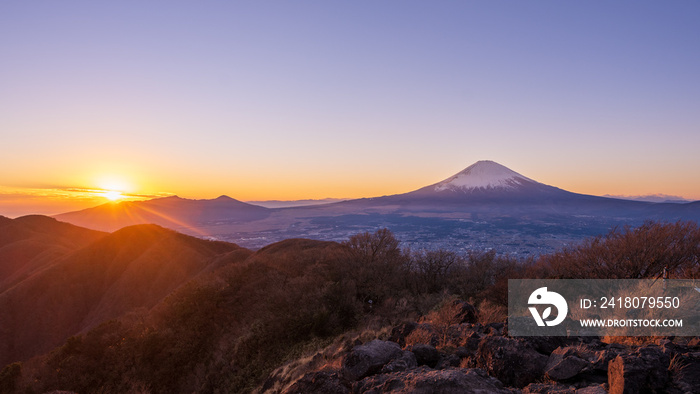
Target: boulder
(406,361)
(546,344)
(495,328)
(564,363)
(548,388)
(424,380)
(559,388)
(319,382)
(369,359)
(602,358)
(466,313)
(511,361)
(425,354)
(448,360)
(464,352)
(645,370)
(400,332)
(595,389)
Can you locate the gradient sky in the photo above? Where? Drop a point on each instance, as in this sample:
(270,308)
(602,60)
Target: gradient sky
(311,99)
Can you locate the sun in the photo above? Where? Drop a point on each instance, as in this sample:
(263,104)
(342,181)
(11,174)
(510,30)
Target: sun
(112,195)
(112,187)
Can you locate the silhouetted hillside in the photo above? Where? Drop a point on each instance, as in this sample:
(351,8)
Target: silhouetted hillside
(30,243)
(135,267)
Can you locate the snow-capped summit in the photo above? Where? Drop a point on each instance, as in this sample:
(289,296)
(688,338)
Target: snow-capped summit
(484,174)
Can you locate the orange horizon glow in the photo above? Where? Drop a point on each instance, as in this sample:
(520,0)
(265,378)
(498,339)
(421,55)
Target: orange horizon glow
(118,183)
(115,189)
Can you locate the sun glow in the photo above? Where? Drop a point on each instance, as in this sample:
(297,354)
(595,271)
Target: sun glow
(113,187)
(112,195)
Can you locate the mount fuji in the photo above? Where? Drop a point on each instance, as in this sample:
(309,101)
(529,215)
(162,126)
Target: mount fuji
(487,186)
(488,180)
(484,175)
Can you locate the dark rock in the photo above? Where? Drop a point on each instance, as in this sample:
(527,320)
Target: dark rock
(511,361)
(424,380)
(566,368)
(526,324)
(595,389)
(369,359)
(60,392)
(464,352)
(400,332)
(564,363)
(448,360)
(546,345)
(547,388)
(603,357)
(466,313)
(425,354)
(495,328)
(407,360)
(319,382)
(645,370)
(559,388)
(472,342)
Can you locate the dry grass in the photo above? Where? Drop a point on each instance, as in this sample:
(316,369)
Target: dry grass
(677,365)
(420,336)
(467,362)
(629,341)
(491,313)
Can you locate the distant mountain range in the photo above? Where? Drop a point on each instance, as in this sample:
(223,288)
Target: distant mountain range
(294,203)
(653,198)
(172,212)
(485,200)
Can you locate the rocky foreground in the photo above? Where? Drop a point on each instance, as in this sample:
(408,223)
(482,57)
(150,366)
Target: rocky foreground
(475,358)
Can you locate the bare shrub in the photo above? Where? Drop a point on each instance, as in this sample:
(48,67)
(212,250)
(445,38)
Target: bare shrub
(433,269)
(629,253)
(441,319)
(375,264)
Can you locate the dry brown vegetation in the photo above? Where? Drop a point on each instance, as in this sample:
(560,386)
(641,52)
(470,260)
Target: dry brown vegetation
(629,253)
(248,313)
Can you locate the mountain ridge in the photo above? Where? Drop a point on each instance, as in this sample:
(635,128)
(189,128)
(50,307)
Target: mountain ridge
(134,267)
(172,212)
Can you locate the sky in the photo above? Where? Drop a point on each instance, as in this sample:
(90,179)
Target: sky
(281,100)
